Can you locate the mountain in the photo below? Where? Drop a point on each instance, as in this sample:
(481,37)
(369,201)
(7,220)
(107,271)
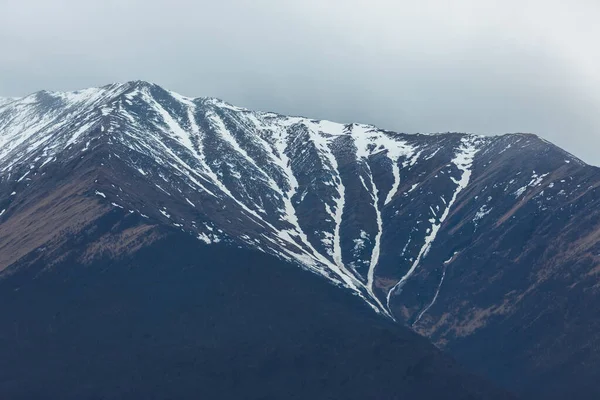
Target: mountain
(486,245)
(174,318)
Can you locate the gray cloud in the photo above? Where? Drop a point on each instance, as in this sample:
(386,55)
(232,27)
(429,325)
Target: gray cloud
(428,66)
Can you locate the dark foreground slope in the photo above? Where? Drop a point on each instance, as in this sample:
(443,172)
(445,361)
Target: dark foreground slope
(179,319)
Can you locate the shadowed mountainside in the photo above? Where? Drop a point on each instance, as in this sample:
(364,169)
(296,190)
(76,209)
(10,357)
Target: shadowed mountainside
(177,318)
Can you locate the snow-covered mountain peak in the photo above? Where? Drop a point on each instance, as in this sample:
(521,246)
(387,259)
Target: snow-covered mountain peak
(326,195)
(469,239)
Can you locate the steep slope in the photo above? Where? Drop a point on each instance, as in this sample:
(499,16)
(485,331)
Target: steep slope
(114,305)
(511,286)
(447,233)
(285,185)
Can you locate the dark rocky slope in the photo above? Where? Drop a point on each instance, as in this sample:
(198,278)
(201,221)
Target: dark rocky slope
(180,319)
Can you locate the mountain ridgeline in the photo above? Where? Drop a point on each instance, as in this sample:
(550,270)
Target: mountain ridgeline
(486,245)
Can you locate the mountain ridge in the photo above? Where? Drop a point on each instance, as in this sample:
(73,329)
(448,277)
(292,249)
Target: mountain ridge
(131,84)
(106,108)
(446,233)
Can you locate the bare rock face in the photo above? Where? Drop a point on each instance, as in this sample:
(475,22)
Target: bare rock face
(486,245)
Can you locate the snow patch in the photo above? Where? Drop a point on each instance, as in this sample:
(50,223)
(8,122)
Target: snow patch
(163,212)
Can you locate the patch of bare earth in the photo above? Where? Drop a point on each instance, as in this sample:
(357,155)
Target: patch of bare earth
(60,212)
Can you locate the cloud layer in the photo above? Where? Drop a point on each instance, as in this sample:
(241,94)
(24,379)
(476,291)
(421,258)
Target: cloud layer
(428,66)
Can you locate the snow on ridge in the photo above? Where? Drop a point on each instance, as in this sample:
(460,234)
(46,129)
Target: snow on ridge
(377,245)
(7,100)
(289,212)
(251,209)
(368,140)
(223,104)
(79,96)
(173,126)
(33,124)
(463,160)
(277,132)
(279,136)
(169,130)
(94,107)
(322,145)
(536,180)
(181,98)
(396,186)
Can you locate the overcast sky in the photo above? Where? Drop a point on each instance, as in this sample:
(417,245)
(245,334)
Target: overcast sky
(412,66)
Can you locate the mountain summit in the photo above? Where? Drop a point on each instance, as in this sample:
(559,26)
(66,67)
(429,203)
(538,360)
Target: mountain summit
(447,233)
